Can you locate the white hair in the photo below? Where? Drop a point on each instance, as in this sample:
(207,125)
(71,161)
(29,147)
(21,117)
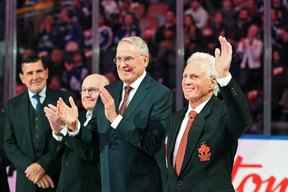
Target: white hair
(208,61)
(138,42)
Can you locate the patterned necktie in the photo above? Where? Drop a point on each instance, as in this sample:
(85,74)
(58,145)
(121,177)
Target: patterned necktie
(88,117)
(183,143)
(123,106)
(38,102)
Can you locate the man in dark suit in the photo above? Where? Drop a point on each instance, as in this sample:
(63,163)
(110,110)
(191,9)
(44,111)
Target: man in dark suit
(80,170)
(131,122)
(203,137)
(28,142)
(3,160)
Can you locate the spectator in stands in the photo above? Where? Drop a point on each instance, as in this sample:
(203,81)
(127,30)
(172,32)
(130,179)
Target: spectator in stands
(106,34)
(210,39)
(83,12)
(229,14)
(217,24)
(56,62)
(198,13)
(167,58)
(243,22)
(250,48)
(110,7)
(66,29)
(192,38)
(46,36)
(55,82)
(129,27)
(279,84)
(284,46)
(169,25)
(77,73)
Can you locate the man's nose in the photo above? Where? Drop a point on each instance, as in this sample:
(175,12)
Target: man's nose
(34,75)
(187,81)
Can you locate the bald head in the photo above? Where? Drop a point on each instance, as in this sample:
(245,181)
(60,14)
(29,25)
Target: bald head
(96,80)
(90,90)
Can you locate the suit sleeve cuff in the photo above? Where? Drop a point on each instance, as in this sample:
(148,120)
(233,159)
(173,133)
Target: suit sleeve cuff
(225,80)
(116,121)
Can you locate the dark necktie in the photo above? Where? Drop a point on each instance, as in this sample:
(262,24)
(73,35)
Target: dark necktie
(38,102)
(183,143)
(123,106)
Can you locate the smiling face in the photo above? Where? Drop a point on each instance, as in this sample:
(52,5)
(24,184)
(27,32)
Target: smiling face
(90,90)
(34,76)
(197,84)
(130,62)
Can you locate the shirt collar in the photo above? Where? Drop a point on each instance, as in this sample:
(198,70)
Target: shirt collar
(137,82)
(89,113)
(42,93)
(199,108)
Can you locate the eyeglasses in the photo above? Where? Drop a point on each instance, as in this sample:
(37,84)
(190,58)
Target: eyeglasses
(126,59)
(90,91)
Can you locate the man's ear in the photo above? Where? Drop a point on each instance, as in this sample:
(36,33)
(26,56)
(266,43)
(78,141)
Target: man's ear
(146,60)
(21,77)
(213,83)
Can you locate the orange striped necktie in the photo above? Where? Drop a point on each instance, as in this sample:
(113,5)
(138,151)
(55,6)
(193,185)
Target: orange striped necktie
(183,143)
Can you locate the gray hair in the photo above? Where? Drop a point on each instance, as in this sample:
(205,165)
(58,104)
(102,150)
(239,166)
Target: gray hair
(209,61)
(138,42)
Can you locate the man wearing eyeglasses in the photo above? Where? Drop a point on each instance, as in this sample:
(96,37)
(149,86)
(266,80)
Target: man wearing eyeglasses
(130,121)
(80,161)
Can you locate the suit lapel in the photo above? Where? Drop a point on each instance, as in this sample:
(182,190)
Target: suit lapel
(24,118)
(50,99)
(196,132)
(117,93)
(139,96)
(176,124)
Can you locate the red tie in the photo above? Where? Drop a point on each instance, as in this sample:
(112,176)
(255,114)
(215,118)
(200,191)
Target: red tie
(183,143)
(123,106)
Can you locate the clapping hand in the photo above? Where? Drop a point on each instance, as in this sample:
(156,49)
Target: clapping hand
(68,115)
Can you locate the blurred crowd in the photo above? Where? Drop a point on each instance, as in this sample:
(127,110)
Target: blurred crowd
(63,37)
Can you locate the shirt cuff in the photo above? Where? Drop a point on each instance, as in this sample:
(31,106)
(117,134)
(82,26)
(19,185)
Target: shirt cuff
(59,137)
(225,80)
(116,121)
(77,130)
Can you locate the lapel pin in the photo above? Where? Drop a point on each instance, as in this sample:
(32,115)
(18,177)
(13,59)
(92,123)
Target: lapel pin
(204,152)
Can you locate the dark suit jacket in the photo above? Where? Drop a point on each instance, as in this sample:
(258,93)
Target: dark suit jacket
(18,139)
(80,162)
(127,153)
(3,160)
(212,143)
